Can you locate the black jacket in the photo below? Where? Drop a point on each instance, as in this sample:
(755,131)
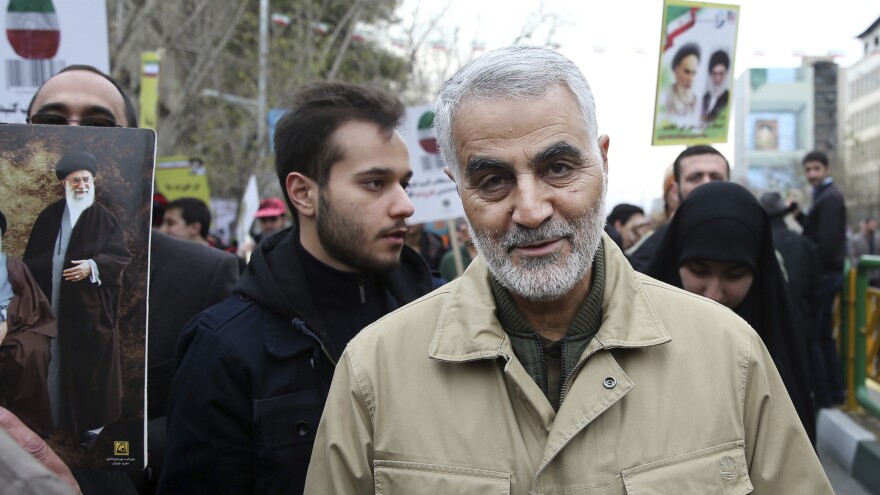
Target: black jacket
(825,225)
(641,258)
(801,261)
(254,372)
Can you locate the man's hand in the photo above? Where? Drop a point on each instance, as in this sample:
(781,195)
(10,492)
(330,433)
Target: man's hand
(3,329)
(35,446)
(81,271)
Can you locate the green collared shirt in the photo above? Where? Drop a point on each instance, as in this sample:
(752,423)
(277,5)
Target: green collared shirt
(551,363)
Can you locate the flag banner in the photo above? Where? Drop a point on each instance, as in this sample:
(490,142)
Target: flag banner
(695,73)
(433,194)
(77,201)
(248,206)
(43,37)
(182,177)
(32,28)
(149,99)
(281,19)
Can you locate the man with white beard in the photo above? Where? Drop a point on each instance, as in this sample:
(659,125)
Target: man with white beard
(77,253)
(550,366)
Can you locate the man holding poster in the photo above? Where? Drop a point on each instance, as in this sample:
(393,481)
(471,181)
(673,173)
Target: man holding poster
(693,74)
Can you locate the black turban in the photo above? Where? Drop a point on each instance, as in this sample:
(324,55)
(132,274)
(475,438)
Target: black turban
(76,160)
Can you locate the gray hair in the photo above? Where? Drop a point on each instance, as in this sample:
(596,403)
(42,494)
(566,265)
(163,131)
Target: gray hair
(514,72)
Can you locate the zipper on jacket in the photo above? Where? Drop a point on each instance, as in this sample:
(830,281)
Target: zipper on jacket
(301,326)
(562,394)
(545,375)
(569,377)
(363,292)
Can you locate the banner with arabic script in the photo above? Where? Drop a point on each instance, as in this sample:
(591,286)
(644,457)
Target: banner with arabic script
(433,194)
(695,73)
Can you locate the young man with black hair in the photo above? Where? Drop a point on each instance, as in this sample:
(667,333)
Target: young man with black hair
(626,222)
(188,219)
(254,370)
(695,166)
(825,225)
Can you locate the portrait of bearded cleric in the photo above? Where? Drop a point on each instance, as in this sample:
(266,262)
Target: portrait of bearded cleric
(81,201)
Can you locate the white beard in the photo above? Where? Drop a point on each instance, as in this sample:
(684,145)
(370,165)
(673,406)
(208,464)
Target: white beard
(78,204)
(550,277)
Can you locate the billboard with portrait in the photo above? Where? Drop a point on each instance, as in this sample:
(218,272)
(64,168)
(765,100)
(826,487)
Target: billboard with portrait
(76,203)
(695,73)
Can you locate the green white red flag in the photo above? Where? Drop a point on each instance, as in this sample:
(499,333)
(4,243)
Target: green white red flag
(426,134)
(32,28)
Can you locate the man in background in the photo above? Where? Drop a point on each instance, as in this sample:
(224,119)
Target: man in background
(467,251)
(693,167)
(825,225)
(271,217)
(188,219)
(627,221)
(83,95)
(800,260)
(428,244)
(866,241)
(254,370)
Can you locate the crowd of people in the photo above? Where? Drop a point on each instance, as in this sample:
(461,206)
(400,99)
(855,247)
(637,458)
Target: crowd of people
(556,351)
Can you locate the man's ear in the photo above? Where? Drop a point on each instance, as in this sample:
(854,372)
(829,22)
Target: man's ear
(194,229)
(604,142)
(303,193)
(452,178)
(449,174)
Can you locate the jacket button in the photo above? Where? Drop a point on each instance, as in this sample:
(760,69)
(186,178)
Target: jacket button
(609,382)
(302,429)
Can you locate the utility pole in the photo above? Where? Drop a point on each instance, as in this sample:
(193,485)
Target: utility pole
(261,84)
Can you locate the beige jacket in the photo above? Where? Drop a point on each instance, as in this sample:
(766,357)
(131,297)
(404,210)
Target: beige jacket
(675,394)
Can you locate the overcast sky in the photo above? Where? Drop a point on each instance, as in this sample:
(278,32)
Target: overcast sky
(616,44)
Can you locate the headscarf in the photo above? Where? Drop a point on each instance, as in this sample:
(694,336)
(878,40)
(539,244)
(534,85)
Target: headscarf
(723,221)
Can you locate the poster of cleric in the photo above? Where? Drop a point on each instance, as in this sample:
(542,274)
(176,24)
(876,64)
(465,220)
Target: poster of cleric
(75,224)
(695,73)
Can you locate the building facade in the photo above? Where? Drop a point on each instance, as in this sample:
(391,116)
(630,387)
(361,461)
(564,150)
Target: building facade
(861,129)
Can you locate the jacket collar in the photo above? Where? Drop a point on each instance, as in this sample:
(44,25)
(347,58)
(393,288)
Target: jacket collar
(275,279)
(468,328)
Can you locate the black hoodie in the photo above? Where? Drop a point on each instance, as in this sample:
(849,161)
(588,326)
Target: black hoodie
(254,372)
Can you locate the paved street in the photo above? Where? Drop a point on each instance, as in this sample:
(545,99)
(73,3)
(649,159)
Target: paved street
(841,481)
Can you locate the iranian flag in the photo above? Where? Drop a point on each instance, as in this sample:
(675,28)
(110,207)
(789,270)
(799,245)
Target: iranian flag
(281,20)
(426,135)
(32,28)
(681,19)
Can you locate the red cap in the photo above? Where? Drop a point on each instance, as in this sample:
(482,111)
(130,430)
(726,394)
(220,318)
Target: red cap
(270,207)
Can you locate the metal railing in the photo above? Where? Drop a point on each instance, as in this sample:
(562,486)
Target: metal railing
(859,336)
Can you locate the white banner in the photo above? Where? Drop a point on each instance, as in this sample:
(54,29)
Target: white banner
(42,38)
(250,203)
(433,193)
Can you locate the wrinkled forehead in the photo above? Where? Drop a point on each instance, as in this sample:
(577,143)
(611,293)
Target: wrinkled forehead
(82,93)
(79,174)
